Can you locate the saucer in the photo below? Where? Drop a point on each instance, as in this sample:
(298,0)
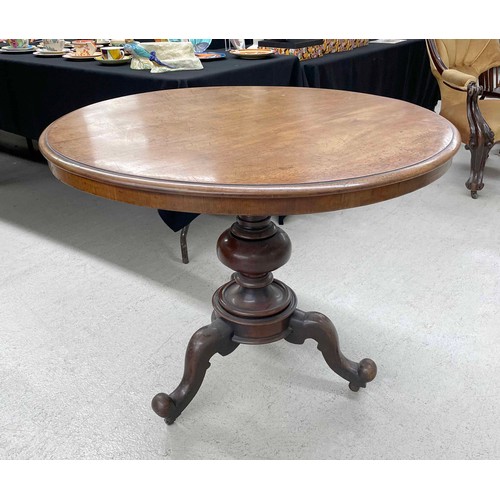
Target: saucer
(123,60)
(18,50)
(73,57)
(50,53)
(210,56)
(252,53)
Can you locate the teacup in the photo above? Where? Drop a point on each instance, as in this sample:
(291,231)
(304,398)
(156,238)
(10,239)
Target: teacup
(84,48)
(53,44)
(112,53)
(117,43)
(18,43)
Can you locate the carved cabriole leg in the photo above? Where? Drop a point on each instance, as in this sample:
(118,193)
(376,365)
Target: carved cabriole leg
(207,341)
(480,142)
(313,325)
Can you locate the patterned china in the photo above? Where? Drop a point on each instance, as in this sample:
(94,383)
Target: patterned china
(210,56)
(84,48)
(72,56)
(50,53)
(252,53)
(7,49)
(53,44)
(18,43)
(123,60)
(113,53)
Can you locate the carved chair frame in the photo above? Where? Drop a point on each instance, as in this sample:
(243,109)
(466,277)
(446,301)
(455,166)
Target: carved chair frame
(481,138)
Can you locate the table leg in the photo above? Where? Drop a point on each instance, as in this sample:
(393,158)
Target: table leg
(255,308)
(207,341)
(316,326)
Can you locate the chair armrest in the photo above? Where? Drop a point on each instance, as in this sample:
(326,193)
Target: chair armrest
(457,79)
(451,77)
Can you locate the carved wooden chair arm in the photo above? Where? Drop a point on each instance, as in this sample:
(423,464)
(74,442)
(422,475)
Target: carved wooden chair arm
(458,80)
(451,77)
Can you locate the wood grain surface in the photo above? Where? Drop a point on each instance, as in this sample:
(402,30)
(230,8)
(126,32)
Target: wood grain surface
(250,150)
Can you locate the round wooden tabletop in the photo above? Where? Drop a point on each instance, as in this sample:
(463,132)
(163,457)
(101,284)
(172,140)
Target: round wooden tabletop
(250,150)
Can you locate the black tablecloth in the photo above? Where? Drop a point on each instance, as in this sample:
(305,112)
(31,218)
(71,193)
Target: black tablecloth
(399,70)
(34,91)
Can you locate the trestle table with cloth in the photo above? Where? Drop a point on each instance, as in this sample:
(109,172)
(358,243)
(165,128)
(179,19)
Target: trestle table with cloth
(35,91)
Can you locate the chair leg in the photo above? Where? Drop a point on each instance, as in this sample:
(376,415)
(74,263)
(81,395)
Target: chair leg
(184,249)
(479,155)
(481,140)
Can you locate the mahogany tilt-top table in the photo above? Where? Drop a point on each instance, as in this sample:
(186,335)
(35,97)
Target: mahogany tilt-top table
(251,152)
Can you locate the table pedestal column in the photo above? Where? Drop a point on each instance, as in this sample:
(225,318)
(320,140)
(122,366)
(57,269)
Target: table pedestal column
(255,308)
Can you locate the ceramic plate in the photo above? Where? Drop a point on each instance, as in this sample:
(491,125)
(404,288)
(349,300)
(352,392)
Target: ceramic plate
(47,53)
(124,60)
(210,56)
(73,57)
(252,53)
(18,50)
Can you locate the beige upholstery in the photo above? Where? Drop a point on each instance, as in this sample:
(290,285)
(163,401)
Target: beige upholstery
(457,114)
(458,79)
(466,60)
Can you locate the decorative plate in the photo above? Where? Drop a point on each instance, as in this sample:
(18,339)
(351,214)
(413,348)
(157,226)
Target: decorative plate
(210,56)
(252,53)
(50,53)
(17,50)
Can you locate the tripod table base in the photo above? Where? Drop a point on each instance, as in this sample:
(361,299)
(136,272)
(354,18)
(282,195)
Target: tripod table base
(255,308)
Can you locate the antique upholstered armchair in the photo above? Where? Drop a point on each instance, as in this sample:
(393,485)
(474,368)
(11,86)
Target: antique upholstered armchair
(467,72)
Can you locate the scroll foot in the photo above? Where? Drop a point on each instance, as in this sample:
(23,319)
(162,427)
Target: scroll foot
(319,328)
(211,339)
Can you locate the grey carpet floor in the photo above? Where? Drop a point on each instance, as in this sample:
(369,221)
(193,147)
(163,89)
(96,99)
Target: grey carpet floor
(96,309)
